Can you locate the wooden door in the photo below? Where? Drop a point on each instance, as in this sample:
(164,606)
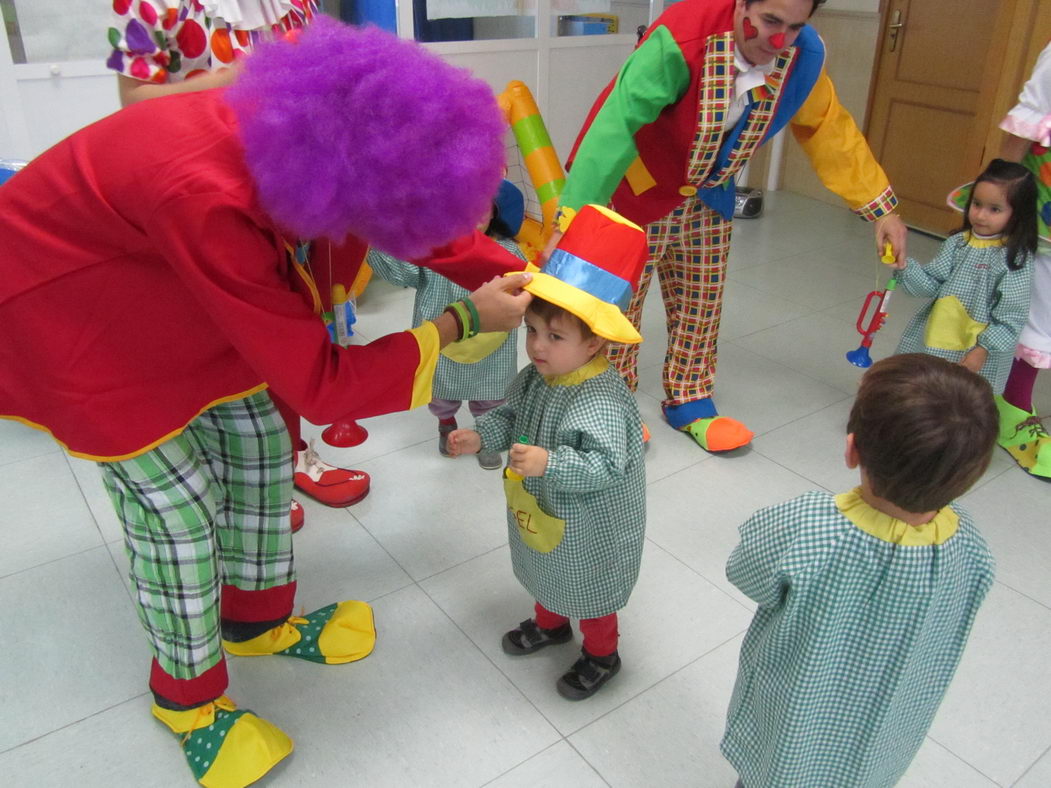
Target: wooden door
(932,91)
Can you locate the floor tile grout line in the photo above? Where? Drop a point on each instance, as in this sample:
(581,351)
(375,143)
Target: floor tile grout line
(84,497)
(55,560)
(1030,767)
(497,667)
(71,723)
(700,574)
(964,761)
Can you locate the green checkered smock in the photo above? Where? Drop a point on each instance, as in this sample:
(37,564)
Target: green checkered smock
(595,481)
(486,379)
(988,290)
(853,645)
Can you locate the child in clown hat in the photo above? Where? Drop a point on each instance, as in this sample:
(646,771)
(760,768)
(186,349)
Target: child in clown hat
(575,483)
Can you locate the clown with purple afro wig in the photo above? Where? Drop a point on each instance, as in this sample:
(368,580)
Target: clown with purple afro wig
(189,311)
(352,130)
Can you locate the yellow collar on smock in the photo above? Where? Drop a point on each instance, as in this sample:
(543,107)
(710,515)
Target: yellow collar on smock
(596,366)
(891,529)
(983,241)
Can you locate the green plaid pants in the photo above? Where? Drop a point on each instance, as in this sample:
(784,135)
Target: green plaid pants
(205,509)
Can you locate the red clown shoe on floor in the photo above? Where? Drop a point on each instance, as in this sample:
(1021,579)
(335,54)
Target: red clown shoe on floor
(326,483)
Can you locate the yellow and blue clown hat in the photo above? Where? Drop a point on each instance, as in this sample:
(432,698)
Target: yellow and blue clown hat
(594,271)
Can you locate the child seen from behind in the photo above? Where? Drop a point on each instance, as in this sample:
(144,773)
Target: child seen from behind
(575,484)
(865,599)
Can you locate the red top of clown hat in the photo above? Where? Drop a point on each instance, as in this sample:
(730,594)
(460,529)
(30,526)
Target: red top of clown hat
(594,270)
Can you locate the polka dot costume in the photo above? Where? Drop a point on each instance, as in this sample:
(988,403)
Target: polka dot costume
(172,40)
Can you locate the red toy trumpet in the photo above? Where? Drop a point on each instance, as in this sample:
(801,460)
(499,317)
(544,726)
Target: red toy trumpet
(860,357)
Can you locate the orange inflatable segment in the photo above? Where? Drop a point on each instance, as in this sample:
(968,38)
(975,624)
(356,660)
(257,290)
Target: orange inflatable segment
(538,154)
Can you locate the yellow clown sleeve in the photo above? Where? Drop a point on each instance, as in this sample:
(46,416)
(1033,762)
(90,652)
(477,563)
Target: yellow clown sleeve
(840,154)
(427,338)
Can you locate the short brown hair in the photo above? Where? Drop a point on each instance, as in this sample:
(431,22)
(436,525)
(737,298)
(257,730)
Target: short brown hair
(549,311)
(924,430)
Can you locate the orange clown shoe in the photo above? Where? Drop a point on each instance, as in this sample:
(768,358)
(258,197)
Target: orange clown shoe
(594,271)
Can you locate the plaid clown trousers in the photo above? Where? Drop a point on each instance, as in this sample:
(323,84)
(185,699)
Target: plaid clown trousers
(688,250)
(207,533)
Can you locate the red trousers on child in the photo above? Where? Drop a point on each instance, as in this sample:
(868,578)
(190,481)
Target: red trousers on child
(600,634)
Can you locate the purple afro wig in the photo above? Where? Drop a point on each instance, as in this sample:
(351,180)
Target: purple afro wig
(352,130)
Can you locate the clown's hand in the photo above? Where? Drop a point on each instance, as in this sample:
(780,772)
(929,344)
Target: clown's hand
(502,302)
(890,228)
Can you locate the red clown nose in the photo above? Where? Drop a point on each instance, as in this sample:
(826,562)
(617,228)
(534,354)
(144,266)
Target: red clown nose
(777,40)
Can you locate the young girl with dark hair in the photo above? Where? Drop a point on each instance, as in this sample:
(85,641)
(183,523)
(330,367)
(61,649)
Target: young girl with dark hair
(980,279)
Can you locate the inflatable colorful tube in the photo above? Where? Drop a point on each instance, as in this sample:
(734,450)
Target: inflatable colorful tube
(541,161)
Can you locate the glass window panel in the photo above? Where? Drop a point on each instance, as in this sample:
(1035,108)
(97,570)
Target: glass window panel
(598,17)
(473,20)
(44,31)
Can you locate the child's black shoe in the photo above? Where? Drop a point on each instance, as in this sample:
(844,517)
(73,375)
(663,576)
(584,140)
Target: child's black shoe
(587,675)
(445,426)
(528,637)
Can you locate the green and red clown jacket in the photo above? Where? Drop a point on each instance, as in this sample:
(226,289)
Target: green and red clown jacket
(655,137)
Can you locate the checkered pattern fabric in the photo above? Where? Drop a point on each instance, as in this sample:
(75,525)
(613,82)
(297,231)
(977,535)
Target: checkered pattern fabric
(717,87)
(487,379)
(208,507)
(595,481)
(766,98)
(990,292)
(688,250)
(879,206)
(852,647)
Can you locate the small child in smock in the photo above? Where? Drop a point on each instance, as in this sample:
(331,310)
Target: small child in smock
(478,369)
(865,599)
(576,483)
(980,279)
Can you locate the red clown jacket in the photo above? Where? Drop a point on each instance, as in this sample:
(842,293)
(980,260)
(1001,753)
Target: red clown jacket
(141,283)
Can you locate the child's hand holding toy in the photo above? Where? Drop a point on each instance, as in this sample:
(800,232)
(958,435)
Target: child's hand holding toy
(526,460)
(463,442)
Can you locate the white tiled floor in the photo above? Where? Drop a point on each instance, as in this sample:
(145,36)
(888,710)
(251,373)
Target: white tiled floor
(438,703)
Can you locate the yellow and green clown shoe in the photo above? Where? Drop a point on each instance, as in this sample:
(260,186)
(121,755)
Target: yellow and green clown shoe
(1024,437)
(226,747)
(341,632)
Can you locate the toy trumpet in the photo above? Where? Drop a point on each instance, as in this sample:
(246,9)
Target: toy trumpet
(861,357)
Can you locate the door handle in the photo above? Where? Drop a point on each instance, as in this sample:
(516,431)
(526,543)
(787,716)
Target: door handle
(894,30)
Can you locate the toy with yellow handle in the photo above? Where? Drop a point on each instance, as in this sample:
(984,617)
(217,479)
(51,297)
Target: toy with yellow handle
(508,473)
(541,162)
(860,357)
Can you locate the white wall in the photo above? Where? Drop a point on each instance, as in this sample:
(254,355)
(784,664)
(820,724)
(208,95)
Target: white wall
(43,102)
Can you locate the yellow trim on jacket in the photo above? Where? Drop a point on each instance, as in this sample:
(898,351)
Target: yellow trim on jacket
(426,336)
(146,448)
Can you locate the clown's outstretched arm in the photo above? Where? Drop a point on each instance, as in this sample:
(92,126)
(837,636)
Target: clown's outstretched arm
(843,160)
(239,282)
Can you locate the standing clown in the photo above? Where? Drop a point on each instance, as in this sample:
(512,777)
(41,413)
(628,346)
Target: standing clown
(171,273)
(709,83)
